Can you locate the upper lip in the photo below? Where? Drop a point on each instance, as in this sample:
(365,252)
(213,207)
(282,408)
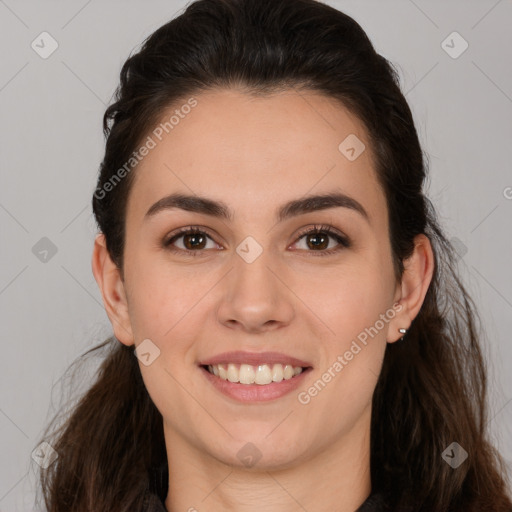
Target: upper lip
(254,358)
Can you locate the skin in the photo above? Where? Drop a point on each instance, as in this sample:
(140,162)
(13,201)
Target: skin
(255,154)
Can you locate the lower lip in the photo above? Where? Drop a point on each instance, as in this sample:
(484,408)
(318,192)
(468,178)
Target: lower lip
(255,392)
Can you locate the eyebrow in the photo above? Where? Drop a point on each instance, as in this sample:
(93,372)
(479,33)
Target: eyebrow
(206,206)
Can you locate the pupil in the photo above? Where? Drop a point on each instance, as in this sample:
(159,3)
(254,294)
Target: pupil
(188,237)
(317,236)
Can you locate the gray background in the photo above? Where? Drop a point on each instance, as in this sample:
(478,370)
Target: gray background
(51,144)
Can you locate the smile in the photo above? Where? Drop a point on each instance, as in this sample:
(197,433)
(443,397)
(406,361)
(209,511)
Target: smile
(255,377)
(261,374)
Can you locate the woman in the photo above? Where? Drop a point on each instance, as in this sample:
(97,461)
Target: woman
(266,251)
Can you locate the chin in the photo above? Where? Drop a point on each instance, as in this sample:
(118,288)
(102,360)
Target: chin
(260,454)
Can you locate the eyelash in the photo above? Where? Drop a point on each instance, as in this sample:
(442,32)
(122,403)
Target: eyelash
(317,229)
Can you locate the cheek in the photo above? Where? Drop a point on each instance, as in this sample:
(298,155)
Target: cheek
(348,298)
(161,299)
(355,305)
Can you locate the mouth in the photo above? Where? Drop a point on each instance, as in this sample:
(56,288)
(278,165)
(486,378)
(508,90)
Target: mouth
(261,374)
(251,377)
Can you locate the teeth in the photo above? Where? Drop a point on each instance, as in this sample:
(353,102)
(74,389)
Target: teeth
(288,372)
(248,374)
(223,374)
(277,373)
(233,373)
(263,375)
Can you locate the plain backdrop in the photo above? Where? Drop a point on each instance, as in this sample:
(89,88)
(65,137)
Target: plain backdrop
(51,144)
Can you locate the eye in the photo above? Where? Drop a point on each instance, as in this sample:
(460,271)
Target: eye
(318,236)
(193,237)
(195,240)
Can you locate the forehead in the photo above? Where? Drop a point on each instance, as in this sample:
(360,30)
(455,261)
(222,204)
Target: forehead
(252,151)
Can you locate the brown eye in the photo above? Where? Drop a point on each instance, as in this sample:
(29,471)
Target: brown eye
(317,240)
(194,241)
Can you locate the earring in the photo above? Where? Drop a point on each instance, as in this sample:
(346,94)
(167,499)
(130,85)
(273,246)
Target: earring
(402,330)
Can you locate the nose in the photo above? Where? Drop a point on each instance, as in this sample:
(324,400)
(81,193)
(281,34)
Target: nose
(255,296)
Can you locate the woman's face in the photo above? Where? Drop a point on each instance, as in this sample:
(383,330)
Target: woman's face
(253,284)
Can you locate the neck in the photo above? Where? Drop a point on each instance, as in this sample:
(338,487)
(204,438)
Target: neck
(335,479)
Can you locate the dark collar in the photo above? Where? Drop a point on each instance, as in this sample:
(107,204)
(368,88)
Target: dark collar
(158,488)
(156,493)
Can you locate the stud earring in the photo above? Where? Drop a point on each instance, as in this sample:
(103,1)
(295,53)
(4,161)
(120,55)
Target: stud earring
(402,330)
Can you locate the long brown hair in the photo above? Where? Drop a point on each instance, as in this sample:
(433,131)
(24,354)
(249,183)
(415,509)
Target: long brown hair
(432,390)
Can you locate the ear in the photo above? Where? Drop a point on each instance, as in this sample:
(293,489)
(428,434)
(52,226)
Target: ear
(111,284)
(410,293)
